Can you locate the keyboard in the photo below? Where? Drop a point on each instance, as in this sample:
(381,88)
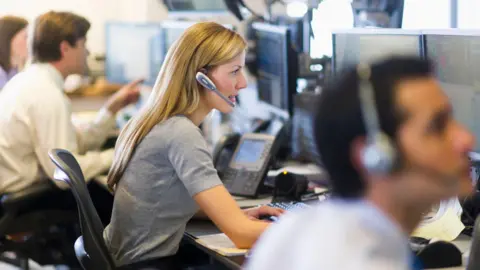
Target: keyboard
(288,206)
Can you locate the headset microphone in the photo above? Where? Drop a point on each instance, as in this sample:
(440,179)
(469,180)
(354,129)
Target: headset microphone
(207,83)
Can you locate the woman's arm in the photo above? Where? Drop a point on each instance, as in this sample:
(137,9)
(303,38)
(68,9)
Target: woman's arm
(221,208)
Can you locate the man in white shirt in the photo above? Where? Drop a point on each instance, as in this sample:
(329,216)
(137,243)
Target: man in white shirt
(375,205)
(35,114)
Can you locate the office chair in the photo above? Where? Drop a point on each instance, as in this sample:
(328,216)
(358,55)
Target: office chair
(90,248)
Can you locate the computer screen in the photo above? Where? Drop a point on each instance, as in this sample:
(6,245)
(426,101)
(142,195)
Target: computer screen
(457,67)
(368,45)
(173,30)
(195,5)
(276,66)
(133,50)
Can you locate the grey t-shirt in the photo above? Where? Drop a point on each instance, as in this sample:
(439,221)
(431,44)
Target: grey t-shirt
(153,199)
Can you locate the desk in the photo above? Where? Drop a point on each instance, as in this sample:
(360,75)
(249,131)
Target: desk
(87,103)
(196,228)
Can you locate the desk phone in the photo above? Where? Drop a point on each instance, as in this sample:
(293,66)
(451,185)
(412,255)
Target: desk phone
(249,164)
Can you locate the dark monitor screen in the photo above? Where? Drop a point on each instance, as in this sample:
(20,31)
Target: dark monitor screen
(276,66)
(250,151)
(369,45)
(133,51)
(457,67)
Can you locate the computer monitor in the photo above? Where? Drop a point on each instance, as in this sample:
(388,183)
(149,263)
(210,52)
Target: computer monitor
(277,66)
(173,30)
(456,56)
(350,47)
(379,13)
(133,50)
(196,6)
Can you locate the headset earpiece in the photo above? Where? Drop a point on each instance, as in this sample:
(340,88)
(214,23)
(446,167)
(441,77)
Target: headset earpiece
(379,154)
(203,79)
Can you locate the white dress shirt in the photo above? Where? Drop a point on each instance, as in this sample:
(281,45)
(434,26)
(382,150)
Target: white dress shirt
(35,117)
(334,235)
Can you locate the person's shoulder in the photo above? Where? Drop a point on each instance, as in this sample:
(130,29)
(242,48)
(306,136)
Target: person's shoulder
(34,84)
(295,239)
(320,237)
(176,128)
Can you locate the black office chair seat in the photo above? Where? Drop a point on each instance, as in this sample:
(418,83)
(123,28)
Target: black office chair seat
(90,248)
(35,233)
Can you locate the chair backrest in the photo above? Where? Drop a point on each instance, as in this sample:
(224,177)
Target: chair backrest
(69,171)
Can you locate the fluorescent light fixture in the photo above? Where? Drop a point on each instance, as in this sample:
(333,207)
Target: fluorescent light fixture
(297,9)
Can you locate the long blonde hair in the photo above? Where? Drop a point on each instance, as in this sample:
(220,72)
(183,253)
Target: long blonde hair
(176,90)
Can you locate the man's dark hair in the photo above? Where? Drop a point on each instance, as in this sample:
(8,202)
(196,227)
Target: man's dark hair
(338,120)
(9,27)
(50,29)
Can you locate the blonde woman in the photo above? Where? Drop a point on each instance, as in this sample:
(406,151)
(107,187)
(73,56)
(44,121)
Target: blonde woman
(163,172)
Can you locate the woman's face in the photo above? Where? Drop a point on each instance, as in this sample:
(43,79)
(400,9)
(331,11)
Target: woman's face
(19,52)
(229,80)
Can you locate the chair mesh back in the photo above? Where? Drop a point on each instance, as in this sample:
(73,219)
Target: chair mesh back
(91,225)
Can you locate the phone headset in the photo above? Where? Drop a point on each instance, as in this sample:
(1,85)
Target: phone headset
(379,154)
(203,79)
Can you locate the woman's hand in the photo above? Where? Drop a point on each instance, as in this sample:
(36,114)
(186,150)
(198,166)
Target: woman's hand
(257,212)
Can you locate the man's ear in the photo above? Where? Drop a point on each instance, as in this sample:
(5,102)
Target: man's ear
(64,47)
(356,148)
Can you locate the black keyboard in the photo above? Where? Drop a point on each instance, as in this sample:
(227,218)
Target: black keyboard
(289,206)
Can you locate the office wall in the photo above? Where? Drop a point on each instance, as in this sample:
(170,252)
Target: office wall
(426,14)
(468,14)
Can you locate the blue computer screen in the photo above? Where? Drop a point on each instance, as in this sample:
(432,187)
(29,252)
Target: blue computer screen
(133,51)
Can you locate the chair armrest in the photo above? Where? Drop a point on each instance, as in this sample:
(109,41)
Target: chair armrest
(28,195)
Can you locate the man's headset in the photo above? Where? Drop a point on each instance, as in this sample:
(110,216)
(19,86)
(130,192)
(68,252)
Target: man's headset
(379,155)
(203,79)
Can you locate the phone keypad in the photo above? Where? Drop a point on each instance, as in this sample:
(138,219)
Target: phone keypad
(229,176)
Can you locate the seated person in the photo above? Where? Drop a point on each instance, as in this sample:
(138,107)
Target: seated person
(163,172)
(35,114)
(375,205)
(13,47)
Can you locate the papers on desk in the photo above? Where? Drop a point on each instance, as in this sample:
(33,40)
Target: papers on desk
(221,244)
(445,225)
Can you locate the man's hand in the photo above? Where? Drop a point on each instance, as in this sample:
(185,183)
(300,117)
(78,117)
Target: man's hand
(126,95)
(257,212)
